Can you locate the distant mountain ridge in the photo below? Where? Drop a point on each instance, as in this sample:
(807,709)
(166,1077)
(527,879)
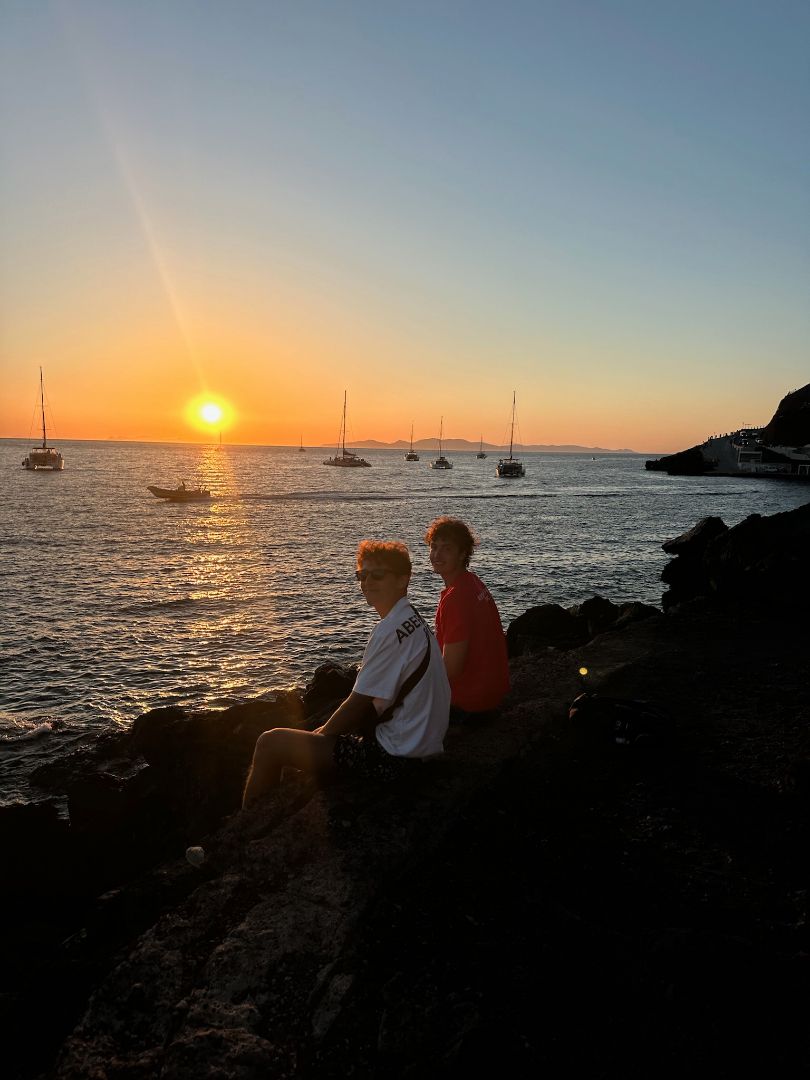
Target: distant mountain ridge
(491,448)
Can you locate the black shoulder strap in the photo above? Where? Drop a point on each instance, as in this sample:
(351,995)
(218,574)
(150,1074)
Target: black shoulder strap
(412,679)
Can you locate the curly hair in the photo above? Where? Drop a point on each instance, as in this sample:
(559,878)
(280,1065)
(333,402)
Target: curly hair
(393,554)
(456,531)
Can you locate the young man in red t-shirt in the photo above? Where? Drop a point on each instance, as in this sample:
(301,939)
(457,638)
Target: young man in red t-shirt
(468,626)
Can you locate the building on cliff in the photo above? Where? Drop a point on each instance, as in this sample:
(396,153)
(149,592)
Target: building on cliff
(780,450)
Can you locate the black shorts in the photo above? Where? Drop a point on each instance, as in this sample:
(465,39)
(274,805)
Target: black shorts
(463,716)
(363,756)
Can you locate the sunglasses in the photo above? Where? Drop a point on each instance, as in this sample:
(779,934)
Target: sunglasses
(375,575)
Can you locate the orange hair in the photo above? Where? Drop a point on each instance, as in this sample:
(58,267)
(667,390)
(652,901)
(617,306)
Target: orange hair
(391,553)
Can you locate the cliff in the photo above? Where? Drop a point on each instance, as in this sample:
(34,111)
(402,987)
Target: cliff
(549,896)
(790,424)
(780,451)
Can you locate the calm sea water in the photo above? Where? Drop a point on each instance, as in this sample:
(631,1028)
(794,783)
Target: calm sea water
(114,602)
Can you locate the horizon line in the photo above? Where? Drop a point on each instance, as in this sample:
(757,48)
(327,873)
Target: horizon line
(367,444)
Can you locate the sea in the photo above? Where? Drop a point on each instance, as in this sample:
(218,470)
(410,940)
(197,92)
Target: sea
(113,602)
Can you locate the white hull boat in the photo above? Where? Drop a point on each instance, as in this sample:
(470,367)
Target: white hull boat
(346,459)
(43,458)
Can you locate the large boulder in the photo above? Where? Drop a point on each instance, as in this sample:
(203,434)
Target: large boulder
(330,684)
(199,760)
(761,561)
(600,614)
(693,543)
(544,626)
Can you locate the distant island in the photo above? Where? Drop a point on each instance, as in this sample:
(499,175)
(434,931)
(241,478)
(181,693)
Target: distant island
(497,448)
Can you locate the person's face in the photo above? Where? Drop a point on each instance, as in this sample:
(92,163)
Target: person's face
(381,586)
(446,558)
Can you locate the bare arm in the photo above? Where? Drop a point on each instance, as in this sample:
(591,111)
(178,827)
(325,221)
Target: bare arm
(455,657)
(351,715)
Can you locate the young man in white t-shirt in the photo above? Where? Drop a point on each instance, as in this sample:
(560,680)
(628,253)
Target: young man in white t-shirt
(399,706)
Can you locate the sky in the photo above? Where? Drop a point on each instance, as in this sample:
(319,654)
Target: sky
(604,206)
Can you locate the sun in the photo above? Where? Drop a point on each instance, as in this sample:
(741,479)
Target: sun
(210,412)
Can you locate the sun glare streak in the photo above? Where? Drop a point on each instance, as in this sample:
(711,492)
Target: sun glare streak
(88,72)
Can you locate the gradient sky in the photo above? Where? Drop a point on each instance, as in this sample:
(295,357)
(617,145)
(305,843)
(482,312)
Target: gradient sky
(605,205)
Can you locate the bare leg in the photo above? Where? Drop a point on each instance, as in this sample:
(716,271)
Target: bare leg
(304,750)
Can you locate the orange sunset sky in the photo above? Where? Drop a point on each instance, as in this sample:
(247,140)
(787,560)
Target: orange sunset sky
(604,207)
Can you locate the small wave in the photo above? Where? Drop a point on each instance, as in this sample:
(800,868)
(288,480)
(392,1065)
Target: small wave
(25,731)
(158,605)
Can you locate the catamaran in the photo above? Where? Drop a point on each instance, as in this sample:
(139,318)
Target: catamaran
(347,459)
(510,468)
(44,457)
(441,461)
(411,455)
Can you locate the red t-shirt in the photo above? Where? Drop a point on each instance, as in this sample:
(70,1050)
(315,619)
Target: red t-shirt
(467,612)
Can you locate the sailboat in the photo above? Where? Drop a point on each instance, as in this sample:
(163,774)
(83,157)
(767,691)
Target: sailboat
(346,459)
(411,455)
(481,453)
(43,457)
(302,449)
(441,461)
(510,468)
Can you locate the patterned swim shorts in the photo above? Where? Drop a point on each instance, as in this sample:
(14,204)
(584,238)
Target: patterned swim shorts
(365,757)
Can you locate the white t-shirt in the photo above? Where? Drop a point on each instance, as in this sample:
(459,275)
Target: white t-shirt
(395,650)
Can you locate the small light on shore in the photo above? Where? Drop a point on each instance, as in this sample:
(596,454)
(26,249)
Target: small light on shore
(583,671)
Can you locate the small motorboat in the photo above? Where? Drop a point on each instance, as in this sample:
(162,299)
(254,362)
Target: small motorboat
(180,493)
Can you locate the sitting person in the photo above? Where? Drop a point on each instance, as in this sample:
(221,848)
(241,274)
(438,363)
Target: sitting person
(468,626)
(398,708)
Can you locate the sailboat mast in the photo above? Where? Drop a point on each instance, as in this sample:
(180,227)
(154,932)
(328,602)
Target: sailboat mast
(512,432)
(42,408)
(441,426)
(343,444)
(411,450)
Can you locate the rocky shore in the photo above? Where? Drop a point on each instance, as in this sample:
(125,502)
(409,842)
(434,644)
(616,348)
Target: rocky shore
(621,890)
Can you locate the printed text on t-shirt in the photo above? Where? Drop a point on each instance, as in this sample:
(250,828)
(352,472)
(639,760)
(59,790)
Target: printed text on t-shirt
(407,628)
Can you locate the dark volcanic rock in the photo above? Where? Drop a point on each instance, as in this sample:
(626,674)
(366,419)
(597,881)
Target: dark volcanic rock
(543,626)
(685,463)
(694,542)
(635,611)
(421,928)
(199,761)
(33,841)
(761,561)
(790,424)
(330,684)
(599,613)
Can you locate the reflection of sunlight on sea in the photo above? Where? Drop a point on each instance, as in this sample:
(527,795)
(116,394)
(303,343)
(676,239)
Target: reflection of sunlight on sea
(116,602)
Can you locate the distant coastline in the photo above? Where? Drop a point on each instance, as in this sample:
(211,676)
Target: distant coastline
(367,444)
(465,444)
